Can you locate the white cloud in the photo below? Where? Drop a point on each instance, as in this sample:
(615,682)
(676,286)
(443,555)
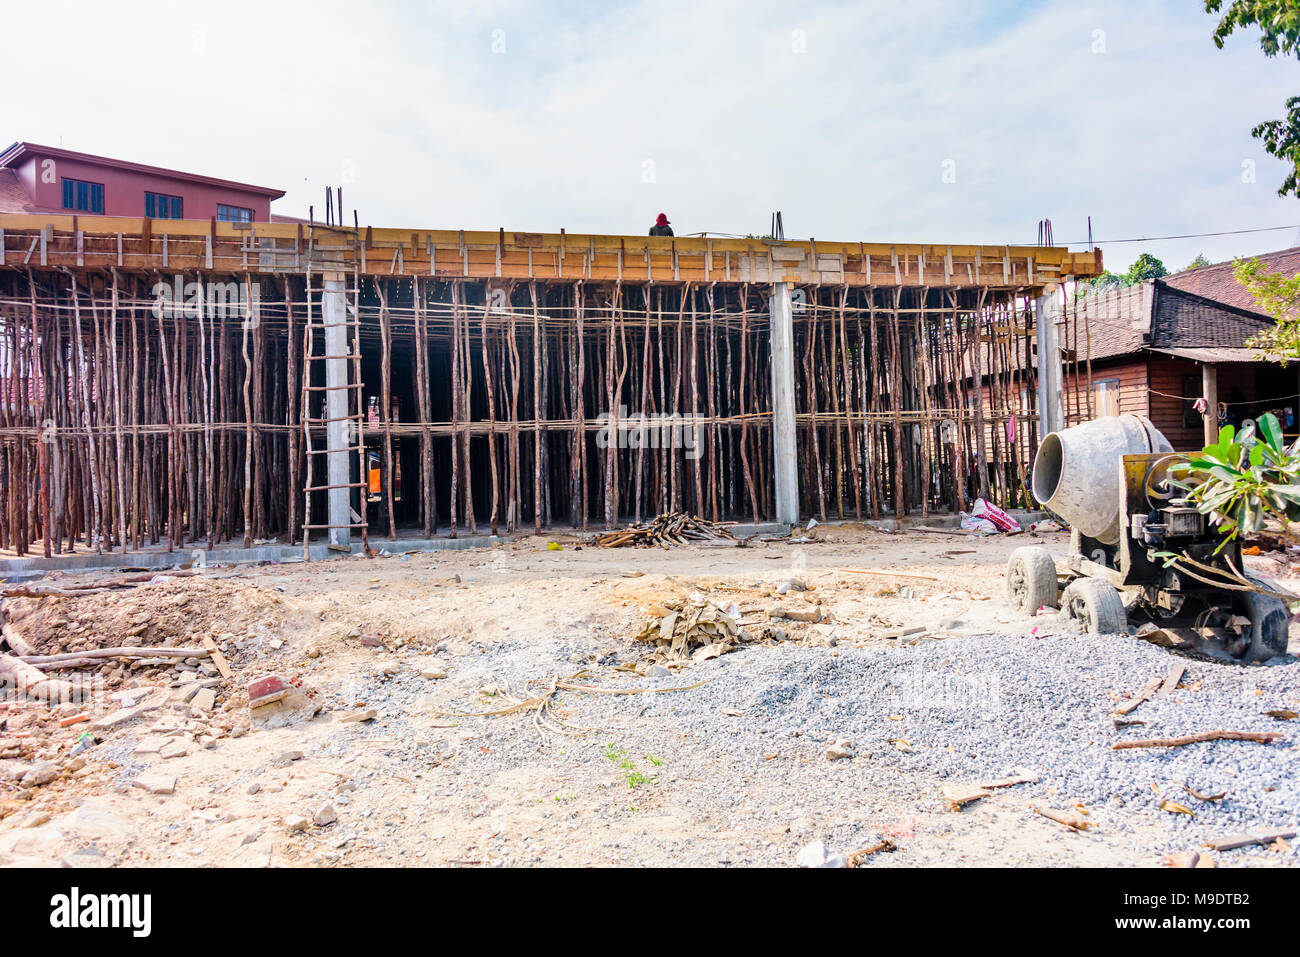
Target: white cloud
(842,115)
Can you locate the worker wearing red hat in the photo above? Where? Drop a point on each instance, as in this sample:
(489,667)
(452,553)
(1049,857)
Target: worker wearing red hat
(661,226)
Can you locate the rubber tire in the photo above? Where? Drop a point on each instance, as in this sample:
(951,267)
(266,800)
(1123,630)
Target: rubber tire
(1031,580)
(1096,605)
(1269,623)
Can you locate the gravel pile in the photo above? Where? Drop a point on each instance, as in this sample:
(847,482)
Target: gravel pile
(747,750)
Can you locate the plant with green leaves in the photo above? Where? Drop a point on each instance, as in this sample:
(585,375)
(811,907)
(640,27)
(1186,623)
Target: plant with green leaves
(1244,479)
(1279,25)
(1278,295)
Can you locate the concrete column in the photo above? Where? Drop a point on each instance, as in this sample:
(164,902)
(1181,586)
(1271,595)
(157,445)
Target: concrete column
(1210,391)
(785,470)
(338,372)
(1051,376)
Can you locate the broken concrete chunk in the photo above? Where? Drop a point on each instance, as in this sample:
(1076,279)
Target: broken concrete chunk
(156,782)
(174,749)
(841,749)
(123,715)
(42,772)
(291,709)
(366,714)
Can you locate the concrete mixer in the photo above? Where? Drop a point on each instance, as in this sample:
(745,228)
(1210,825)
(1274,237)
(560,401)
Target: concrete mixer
(1108,479)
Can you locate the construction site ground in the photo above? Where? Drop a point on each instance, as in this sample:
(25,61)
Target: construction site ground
(844,730)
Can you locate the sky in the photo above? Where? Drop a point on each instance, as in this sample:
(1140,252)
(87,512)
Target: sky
(919,121)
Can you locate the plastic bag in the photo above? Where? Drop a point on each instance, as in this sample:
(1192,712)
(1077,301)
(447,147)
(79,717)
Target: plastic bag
(979,525)
(991,513)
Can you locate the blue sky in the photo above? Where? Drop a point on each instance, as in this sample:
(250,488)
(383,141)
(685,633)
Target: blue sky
(596,116)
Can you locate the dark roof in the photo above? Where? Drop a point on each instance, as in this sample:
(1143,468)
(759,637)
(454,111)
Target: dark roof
(1202,308)
(1185,320)
(11,153)
(13,194)
(1217,282)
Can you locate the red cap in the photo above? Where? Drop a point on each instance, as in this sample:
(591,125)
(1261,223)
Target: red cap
(662,220)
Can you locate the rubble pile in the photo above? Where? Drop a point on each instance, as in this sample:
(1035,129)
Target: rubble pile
(694,629)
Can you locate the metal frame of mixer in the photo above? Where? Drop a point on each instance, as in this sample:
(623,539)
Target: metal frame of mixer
(1183,607)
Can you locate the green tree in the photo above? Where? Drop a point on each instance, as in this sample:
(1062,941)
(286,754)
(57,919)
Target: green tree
(1144,267)
(1107,280)
(1279,24)
(1197,263)
(1278,296)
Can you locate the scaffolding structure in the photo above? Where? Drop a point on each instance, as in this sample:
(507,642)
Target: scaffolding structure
(172,387)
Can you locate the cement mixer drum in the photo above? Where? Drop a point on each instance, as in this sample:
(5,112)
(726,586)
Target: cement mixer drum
(1077,475)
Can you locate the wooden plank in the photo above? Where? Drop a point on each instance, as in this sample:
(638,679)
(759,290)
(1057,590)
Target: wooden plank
(1174,675)
(1245,839)
(218,659)
(1147,691)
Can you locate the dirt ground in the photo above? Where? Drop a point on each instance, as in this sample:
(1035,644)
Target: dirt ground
(423,639)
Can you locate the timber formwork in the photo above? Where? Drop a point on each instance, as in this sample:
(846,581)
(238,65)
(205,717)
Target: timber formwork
(504,380)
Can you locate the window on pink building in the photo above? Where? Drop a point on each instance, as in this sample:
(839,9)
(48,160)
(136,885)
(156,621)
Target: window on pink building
(82,196)
(233,214)
(162,206)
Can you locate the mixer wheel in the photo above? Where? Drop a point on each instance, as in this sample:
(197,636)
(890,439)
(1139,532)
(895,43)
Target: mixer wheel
(1269,623)
(1031,579)
(1095,606)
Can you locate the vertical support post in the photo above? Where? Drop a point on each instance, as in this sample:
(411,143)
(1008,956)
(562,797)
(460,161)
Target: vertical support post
(1051,376)
(334,307)
(785,469)
(1210,390)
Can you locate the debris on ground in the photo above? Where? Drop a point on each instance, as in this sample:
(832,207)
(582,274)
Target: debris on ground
(858,858)
(1246,839)
(1259,737)
(856,663)
(693,629)
(959,795)
(985,518)
(1131,705)
(1075,822)
(815,855)
(674,528)
(542,704)
(1189,859)
(840,750)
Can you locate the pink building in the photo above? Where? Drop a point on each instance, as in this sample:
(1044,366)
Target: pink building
(45,179)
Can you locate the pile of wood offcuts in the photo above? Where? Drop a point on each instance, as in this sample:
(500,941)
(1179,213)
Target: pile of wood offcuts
(674,528)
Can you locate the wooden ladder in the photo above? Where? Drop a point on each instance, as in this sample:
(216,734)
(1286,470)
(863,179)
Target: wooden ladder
(355,400)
